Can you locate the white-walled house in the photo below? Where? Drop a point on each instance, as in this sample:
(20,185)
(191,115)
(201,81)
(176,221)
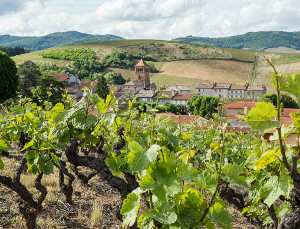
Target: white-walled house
(205,89)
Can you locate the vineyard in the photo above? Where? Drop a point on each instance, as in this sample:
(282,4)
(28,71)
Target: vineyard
(167,175)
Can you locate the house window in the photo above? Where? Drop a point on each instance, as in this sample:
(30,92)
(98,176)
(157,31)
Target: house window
(248,93)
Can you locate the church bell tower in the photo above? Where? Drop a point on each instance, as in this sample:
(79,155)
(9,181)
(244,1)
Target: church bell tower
(142,74)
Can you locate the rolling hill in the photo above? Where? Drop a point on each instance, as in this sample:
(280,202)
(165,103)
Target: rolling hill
(253,40)
(53,40)
(187,64)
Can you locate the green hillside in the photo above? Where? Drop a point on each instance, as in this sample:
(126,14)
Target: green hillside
(253,40)
(183,63)
(53,40)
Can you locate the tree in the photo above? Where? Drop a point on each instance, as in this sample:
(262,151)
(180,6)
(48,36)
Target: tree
(204,106)
(29,76)
(152,67)
(49,89)
(102,88)
(114,78)
(174,108)
(287,100)
(9,80)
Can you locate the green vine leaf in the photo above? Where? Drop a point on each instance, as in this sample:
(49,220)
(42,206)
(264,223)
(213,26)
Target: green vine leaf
(267,158)
(206,181)
(145,221)
(167,217)
(221,216)
(136,158)
(130,209)
(45,165)
(152,153)
(296,120)
(4,146)
(275,187)
(290,84)
(232,174)
(29,144)
(260,118)
(1,163)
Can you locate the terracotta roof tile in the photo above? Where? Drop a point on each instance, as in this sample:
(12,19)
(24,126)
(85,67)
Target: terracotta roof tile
(141,63)
(288,111)
(222,86)
(238,87)
(241,104)
(60,77)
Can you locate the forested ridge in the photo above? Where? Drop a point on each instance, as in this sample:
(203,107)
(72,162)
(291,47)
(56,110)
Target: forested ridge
(53,40)
(252,40)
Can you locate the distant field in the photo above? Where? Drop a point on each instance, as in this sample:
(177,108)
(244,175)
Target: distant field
(188,64)
(225,71)
(243,55)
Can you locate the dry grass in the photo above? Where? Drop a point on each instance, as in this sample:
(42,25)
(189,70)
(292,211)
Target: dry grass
(95,205)
(97,214)
(222,71)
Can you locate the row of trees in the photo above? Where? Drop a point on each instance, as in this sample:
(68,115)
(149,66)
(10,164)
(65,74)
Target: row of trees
(13,51)
(254,40)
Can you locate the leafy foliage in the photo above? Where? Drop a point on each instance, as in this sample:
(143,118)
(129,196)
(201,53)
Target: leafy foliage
(288,101)
(30,75)
(9,80)
(114,78)
(49,89)
(118,58)
(204,106)
(13,51)
(252,40)
(53,40)
(70,54)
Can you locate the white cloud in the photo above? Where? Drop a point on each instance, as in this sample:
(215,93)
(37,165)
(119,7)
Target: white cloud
(153,19)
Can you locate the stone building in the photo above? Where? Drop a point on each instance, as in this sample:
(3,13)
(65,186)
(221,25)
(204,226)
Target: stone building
(142,73)
(255,92)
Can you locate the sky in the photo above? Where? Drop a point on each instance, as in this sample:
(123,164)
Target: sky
(148,19)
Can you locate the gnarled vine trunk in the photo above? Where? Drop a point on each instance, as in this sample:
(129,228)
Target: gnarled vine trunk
(292,219)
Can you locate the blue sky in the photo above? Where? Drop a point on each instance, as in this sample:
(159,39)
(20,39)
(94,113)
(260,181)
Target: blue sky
(148,19)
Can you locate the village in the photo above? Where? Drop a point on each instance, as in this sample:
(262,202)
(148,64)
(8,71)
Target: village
(244,96)
(145,91)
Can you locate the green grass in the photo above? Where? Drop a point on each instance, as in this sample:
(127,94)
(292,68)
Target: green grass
(243,55)
(287,58)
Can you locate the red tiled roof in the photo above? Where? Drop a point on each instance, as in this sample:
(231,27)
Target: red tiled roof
(288,111)
(232,118)
(238,87)
(141,63)
(240,105)
(60,77)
